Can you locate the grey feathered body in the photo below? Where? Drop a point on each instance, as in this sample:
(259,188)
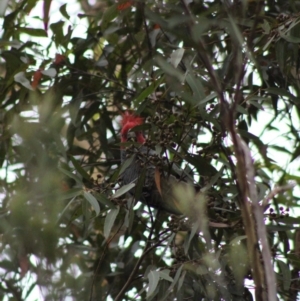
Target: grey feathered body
(134,171)
(150,194)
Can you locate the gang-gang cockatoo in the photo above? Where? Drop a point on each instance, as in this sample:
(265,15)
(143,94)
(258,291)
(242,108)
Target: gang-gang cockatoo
(159,189)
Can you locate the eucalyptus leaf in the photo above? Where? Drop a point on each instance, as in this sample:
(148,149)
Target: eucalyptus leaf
(110,221)
(176,57)
(92,200)
(153,277)
(286,274)
(123,190)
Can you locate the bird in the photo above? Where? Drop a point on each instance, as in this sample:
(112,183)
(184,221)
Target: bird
(153,186)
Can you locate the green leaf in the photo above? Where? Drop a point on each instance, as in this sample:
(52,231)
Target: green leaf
(149,90)
(201,270)
(277,228)
(109,221)
(296,153)
(164,274)
(176,278)
(126,164)
(103,199)
(203,167)
(237,239)
(74,107)
(282,92)
(58,33)
(35,32)
(236,33)
(290,39)
(286,274)
(192,233)
(241,110)
(169,69)
(3,7)
(71,193)
(176,57)
(253,101)
(92,200)
(290,220)
(266,26)
(180,281)
(10,19)
(196,86)
(153,277)
(79,169)
(63,11)
(123,190)
(207,98)
(109,14)
(279,148)
(65,209)
(70,175)
(199,28)
(30,4)
(214,179)
(129,217)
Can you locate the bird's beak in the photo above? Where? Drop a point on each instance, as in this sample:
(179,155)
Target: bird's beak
(131,136)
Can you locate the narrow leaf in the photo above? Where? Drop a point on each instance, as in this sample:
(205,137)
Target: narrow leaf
(153,277)
(180,282)
(65,209)
(164,274)
(109,221)
(176,57)
(149,90)
(196,86)
(92,200)
(70,175)
(207,98)
(3,6)
(63,11)
(79,168)
(176,278)
(194,230)
(169,69)
(103,200)
(74,107)
(36,32)
(70,193)
(123,190)
(126,164)
(286,274)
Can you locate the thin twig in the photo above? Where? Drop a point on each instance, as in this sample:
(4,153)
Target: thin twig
(137,265)
(101,259)
(274,192)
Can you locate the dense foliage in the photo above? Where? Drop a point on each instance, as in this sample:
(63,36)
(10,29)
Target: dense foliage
(212,80)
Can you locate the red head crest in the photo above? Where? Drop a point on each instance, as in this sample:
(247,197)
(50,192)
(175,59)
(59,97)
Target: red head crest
(129,118)
(128,122)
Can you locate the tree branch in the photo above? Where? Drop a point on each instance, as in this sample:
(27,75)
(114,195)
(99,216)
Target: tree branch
(137,265)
